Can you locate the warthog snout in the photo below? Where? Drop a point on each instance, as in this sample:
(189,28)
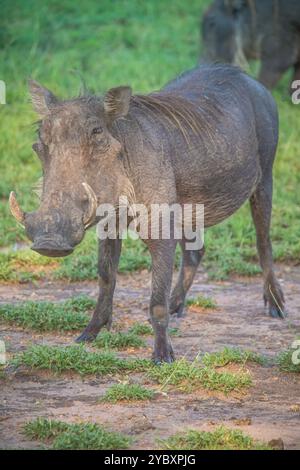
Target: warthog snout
(56,229)
(53,247)
(53,234)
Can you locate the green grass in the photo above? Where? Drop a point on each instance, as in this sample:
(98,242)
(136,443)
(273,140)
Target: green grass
(2,373)
(174,331)
(26,265)
(202,302)
(187,376)
(220,438)
(77,359)
(128,392)
(49,316)
(81,436)
(231,356)
(286,360)
(82,265)
(44,429)
(144,44)
(119,340)
(141,329)
(182,374)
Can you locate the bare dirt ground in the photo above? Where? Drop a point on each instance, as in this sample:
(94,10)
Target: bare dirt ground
(270,409)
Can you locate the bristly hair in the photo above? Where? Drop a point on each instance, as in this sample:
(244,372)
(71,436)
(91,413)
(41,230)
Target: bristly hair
(177,111)
(36,125)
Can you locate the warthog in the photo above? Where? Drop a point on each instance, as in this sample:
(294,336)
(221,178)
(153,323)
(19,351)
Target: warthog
(235,31)
(209,137)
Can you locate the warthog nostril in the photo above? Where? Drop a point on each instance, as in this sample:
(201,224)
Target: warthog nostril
(52,248)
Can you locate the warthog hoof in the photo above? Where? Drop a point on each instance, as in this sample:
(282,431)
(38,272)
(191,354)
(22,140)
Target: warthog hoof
(274,298)
(164,355)
(86,337)
(277,312)
(177,310)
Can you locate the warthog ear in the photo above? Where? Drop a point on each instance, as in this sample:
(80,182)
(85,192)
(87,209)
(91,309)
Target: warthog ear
(116,102)
(42,98)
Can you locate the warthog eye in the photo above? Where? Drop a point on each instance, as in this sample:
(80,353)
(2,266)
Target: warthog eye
(35,147)
(97,130)
(40,149)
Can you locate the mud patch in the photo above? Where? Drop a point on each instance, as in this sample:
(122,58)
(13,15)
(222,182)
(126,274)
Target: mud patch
(270,410)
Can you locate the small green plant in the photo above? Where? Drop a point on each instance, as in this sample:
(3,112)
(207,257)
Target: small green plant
(43,429)
(48,316)
(188,376)
(119,340)
(6,270)
(174,331)
(202,302)
(220,439)
(81,436)
(77,359)
(130,392)
(231,355)
(141,329)
(287,360)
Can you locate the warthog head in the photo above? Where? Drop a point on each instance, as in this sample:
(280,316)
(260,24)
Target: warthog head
(81,167)
(221,31)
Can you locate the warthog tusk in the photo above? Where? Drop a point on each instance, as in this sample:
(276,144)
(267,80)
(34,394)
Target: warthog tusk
(15,209)
(93,204)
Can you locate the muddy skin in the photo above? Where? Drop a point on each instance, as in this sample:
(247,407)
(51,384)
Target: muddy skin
(208,137)
(236,31)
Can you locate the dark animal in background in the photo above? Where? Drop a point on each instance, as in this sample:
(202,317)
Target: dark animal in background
(208,137)
(236,31)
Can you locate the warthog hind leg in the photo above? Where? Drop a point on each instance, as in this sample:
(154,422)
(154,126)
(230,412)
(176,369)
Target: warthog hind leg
(189,263)
(261,207)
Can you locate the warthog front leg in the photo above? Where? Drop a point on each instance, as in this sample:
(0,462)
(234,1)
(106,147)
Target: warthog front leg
(189,263)
(270,74)
(277,56)
(162,253)
(109,254)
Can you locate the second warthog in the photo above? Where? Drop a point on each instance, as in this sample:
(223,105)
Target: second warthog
(208,137)
(235,31)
